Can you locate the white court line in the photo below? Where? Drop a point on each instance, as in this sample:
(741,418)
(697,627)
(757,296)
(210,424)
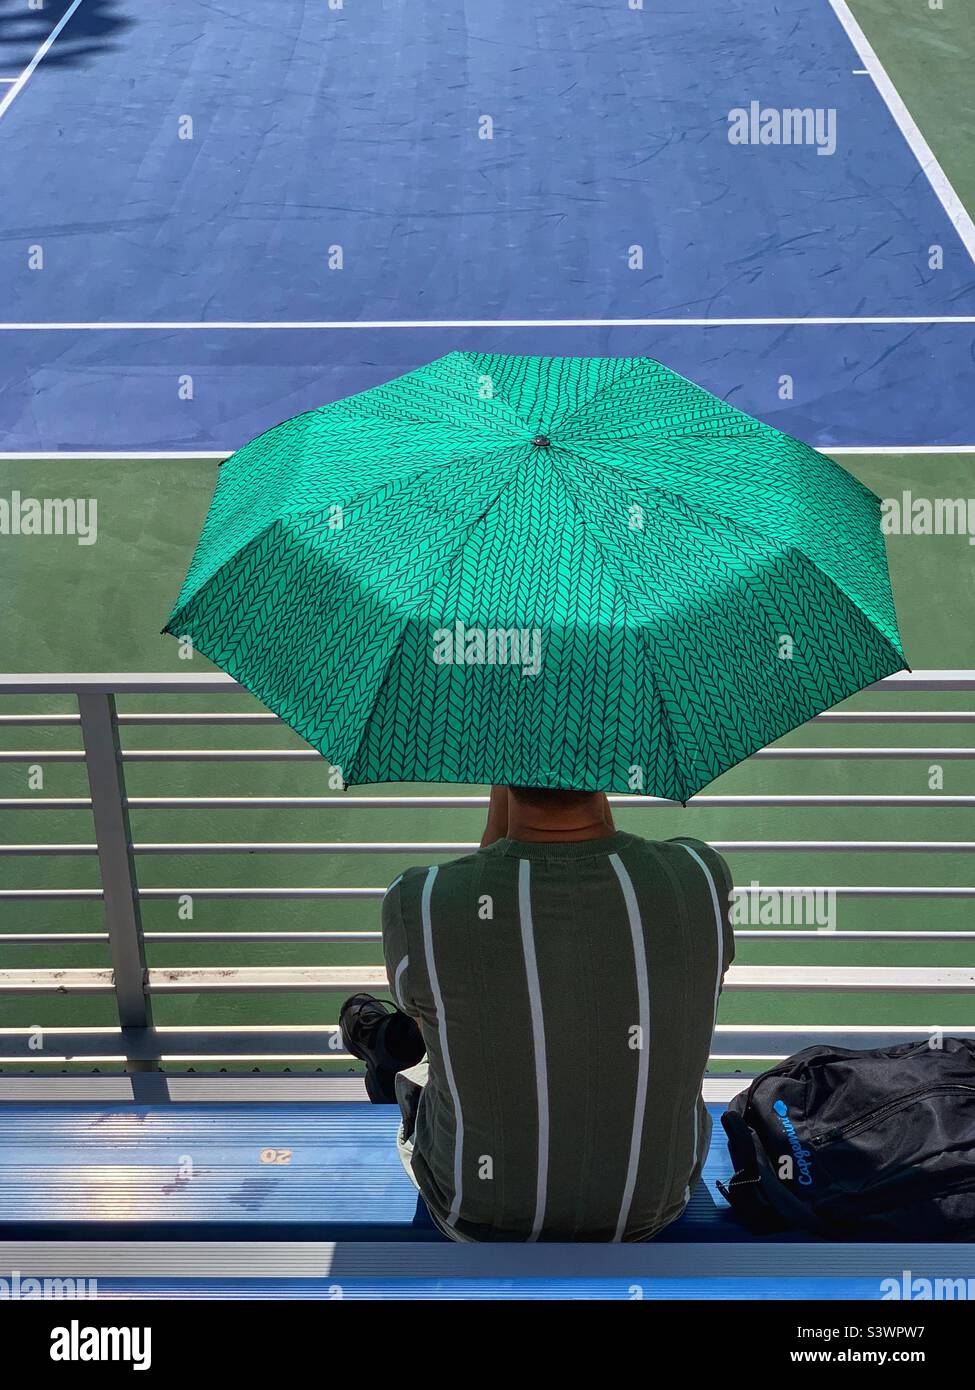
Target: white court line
(150,455)
(896,449)
(201,325)
(920,148)
(21,82)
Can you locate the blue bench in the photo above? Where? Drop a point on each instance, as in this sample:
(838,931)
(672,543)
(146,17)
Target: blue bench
(326,1171)
(308,1200)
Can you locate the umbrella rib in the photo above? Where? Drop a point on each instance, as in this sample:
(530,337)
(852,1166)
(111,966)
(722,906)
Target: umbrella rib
(436,421)
(446,566)
(405,479)
(746,528)
(290,514)
(895,653)
(610,386)
(618,589)
(468,356)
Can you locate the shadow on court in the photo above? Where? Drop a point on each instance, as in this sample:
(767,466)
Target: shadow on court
(92,28)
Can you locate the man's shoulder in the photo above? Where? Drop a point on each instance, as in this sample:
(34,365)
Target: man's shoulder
(409,885)
(676,845)
(684,854)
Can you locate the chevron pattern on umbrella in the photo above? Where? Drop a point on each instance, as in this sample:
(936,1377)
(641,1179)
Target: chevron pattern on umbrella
(566,572)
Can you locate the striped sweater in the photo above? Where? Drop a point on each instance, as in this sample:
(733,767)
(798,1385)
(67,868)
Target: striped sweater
(566,993)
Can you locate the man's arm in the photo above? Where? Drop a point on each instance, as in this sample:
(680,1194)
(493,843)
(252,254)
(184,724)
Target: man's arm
(497,820)
(720,874)
(396,947)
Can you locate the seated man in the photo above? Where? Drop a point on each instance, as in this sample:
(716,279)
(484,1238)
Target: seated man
(562,983)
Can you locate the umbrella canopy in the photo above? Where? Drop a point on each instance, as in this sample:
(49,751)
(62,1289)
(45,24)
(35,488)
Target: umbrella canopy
(557,572)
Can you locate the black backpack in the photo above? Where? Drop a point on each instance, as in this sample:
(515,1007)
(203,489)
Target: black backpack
(859,1145)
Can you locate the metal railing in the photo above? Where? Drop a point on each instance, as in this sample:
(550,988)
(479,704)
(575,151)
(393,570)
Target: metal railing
(138,1044)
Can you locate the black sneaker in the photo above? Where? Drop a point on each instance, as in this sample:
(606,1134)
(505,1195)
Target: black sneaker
(383,1037)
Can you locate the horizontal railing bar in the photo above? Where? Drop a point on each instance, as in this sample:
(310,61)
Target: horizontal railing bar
(72,981)
(183,1045)
(736,1032)
(215,682)
(298,1042)
(326,937)
(897,716)
(221,717)
(879,979)
(353,978)
(205,717)
(209,717)
(46,803)
(381,803)
(864,753)
(178,1058)
(27,895)
(298,755)
(13,721)
(469,846)
(86,894)
(829,934)
(177,1030)
(48,938)
(877,891)
(733,1036)
(48,849)
(128,683)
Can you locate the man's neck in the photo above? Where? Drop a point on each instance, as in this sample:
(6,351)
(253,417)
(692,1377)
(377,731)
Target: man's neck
(529,825)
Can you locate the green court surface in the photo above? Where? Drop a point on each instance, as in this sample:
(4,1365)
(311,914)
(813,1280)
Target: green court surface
(71,607)
(926,51)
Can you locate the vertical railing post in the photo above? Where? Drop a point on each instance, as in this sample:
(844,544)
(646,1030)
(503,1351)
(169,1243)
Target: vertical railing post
(103,759)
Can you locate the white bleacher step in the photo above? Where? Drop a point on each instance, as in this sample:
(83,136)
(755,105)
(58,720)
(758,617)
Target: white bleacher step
(352,978)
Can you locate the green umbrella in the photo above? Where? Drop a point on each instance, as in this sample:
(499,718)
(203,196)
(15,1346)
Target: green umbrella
(549,571)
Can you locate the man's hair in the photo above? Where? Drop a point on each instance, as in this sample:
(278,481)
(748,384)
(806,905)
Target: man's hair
(551,797)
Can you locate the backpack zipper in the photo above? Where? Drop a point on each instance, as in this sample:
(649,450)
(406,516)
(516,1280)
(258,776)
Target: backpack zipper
(881,1111)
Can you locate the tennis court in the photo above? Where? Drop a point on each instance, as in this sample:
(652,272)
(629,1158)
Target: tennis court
(212,219)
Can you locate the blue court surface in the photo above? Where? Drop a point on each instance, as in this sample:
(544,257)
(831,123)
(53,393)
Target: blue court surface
(215,216)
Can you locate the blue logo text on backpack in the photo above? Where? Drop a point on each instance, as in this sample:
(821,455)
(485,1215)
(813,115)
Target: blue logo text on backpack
(875,1145)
